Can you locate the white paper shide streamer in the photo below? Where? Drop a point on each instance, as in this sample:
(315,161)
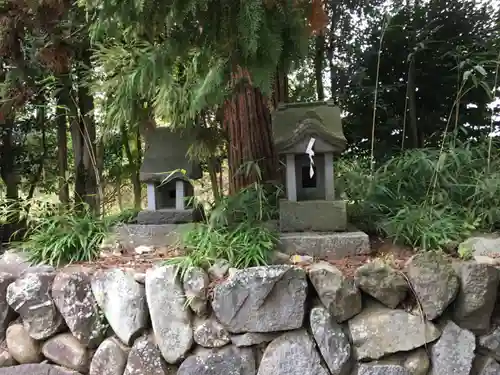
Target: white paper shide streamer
(310,152)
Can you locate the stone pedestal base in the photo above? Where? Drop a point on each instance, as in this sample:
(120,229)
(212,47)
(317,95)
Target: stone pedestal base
(325,245)
(166,216)
(313,216)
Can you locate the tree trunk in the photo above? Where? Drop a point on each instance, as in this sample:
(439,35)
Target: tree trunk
(7,170)
(136,181)
(280,85)
(319,57)
(84,143)
(62,143)
(247,119)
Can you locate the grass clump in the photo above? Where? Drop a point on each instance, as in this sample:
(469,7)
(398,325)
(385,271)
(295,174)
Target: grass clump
(426,198)
(236,230)
(59,236)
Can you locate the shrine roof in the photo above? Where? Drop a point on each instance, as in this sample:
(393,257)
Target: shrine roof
(292,122)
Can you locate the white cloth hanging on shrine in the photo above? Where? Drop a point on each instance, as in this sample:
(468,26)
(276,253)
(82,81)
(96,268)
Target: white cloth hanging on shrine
(310,152)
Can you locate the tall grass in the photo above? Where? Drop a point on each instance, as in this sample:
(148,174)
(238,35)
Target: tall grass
(59,236)
(427,198)
(236,230)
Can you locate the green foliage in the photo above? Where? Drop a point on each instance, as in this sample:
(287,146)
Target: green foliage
(426,198)
(236,230)
(59,236)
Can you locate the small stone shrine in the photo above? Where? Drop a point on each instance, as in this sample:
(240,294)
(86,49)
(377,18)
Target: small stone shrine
(167,172)
(307,137)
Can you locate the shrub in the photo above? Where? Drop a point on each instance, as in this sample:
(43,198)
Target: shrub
(235,230)
(427,198)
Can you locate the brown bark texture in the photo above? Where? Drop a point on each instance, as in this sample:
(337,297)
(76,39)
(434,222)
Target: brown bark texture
(247,120)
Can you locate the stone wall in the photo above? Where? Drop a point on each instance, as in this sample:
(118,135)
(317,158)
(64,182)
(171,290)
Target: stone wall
(436,318)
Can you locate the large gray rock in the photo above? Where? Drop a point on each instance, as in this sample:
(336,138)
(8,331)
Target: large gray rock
(30,296)
(65,350)
(22,346)
(195,284)
(253,338)
(331,340)
(123,302)
(373,369)
(17,263)
(262,299)
(36,369)
(72,294)
(110,358)
(145,358)
(453,353)
(382,282)
(293,353)
(170,315)
(6,312)
(228,360)
(434,282)
(491,343)
(486,366)
(338,293)
(479,246)
(476,297)
(379,331)
(209,333)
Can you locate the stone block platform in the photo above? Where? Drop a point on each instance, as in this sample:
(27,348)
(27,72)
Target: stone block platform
(335,245)
(166,216)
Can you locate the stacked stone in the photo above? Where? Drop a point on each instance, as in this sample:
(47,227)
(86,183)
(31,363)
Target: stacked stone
(276,320)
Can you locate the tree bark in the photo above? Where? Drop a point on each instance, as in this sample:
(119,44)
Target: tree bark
(86,174)
(247,119)
(280,85)
(62,143)
(134,163)
(412,103)
(319,58)
(7,170)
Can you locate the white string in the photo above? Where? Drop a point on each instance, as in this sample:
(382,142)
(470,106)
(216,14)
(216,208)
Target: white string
(310,152)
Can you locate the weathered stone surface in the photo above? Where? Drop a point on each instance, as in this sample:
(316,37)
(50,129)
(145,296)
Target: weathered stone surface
(145,358)
(227,360)
(30,296)
(339,294)
(372,369)
(110,358)
(331,340)
(195,285)
(262,299)
(485,366)
(6,359)
(491,343)
(476,297)
(382,282)
(22,346)
(36,369)
(219,269)
(170,316)
(478,246)
(72,294)
(123,302)
(65,350)
(16,263)
(252,338)
(453,353)
(417,362)
(434,281)
(379,331)
(209,333)
(293,353)
(325,245)
(6,312)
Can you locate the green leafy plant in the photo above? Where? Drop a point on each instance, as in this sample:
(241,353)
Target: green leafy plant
(426,198)
(236,230)
(55,236)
